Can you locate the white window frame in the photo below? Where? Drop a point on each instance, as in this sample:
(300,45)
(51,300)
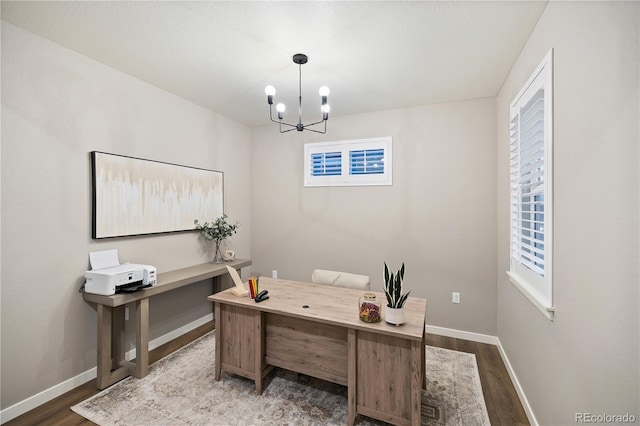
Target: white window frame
(537,286)
(345,147)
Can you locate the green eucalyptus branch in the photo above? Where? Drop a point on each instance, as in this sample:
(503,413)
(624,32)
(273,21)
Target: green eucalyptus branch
(217,230)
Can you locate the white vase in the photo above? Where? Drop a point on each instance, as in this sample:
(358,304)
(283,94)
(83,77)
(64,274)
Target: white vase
(394,316)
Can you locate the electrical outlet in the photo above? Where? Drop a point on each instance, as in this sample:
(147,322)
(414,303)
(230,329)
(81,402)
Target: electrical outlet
(274,274)
(455,297)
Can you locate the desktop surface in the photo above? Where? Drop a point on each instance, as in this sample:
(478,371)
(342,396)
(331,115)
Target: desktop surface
(327,304)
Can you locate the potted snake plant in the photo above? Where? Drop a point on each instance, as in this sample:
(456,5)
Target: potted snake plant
(394,313)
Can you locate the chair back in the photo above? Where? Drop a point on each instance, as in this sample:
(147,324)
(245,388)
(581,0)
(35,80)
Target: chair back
(340,279)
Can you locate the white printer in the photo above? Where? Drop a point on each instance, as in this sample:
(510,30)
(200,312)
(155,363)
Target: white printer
(125,278)
(116,277)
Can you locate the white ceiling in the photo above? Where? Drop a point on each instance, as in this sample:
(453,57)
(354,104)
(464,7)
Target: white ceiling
(373,55)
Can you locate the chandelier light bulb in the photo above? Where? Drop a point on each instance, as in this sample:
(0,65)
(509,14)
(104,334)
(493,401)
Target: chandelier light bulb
(280,108)
(269,90)
(324,91)
(325,108)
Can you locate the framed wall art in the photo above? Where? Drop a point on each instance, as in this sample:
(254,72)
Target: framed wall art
(133,196)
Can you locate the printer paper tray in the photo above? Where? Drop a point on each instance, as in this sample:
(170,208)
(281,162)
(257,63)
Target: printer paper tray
(131,287)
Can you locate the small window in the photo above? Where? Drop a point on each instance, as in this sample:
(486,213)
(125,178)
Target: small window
(348,163)
(531,185)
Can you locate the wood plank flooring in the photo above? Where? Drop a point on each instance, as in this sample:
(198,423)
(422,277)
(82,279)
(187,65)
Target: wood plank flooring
(500,396)
(502,401)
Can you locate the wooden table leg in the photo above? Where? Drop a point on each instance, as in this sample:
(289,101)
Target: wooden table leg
(117,336)
(104,346)
(417,351)
(219,332)
(424,374)
(142,338)
(259,350)
(352,376)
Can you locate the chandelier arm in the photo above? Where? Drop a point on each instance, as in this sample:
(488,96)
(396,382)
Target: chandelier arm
(278,121)
(271,113)
(317,131)
(286,124)
(288,130)
(317,122)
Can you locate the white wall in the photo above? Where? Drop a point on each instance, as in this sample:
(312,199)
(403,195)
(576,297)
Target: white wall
(438,217)
(57,106)
(587,359)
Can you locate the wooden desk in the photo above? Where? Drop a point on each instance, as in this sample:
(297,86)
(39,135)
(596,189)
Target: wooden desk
(382,365)
(112,365)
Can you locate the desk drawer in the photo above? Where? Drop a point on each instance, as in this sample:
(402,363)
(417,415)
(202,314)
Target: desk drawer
(307,347)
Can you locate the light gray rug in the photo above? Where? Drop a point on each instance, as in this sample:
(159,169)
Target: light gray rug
(180,390)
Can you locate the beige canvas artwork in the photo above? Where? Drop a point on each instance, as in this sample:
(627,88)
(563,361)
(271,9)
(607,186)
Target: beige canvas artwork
(132,196)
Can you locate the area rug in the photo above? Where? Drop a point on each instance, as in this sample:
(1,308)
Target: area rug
(180,390)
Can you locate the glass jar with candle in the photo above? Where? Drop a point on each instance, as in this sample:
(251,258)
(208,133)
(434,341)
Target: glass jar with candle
(370,308)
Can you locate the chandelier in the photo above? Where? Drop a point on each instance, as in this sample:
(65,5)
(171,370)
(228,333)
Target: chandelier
(270,91)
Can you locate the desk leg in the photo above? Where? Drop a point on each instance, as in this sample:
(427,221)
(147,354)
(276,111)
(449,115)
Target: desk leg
(259,340)
(424,373)
(417,351)
(104,346)
(352,376)
(142,338)
(218,361)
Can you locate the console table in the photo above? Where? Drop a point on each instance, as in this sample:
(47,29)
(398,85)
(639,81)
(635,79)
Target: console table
(315,330)
(112,365)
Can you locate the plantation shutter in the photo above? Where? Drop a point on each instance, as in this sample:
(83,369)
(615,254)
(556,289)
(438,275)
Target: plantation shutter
(527,184)
(531,188)
(326,164)
(366,161)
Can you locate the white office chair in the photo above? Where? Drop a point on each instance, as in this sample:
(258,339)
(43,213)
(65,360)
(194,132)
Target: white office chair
(340,279)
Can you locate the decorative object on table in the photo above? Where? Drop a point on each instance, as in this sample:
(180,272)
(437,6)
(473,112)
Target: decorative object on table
(229,255)
(216,231)
(239,288)
(370,308)
(132,196)
(253,287)
(394,313)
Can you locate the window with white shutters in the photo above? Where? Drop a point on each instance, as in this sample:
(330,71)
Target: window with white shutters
(348,163)
(531,198)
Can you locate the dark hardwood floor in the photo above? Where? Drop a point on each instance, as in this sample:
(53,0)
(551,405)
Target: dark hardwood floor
(502,401)
(500,396)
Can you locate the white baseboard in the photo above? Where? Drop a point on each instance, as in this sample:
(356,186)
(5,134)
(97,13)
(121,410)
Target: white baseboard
(492,340)
(46,395)
(459,334)
(55,391)
(166,338)
(516,383)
